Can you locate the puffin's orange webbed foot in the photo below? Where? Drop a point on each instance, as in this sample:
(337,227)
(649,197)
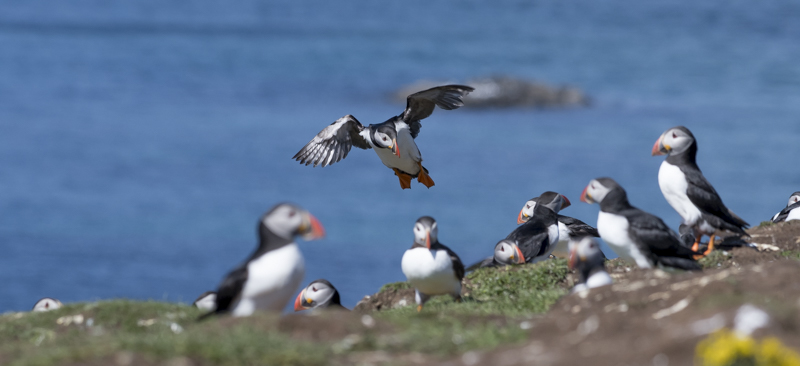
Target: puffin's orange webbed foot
(405,179)
(710,245)
(423,177)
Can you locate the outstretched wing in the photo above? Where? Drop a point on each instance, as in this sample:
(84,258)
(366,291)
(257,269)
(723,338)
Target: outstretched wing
(420,105)
(333,143)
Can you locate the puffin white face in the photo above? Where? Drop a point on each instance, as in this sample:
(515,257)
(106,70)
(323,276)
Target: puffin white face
(287,220)
(583,250)
(47,304)
(386,138)
(594,192)
(425,232)
(507,252)
(317,294)
(794,199)
(674,140)
(526,212)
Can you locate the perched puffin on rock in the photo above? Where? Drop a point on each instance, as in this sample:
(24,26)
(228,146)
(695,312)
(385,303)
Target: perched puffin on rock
(634,234)
(47,304)
(586,257)
(688,191)
(430,267)
(268,278)
(792,210)
(537,237)
(568,228)
(206,301)
(392,140)
(318,294)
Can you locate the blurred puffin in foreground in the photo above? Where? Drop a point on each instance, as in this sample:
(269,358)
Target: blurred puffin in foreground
(634,234)
(268,278)
(47,304)
(430,267)
(393,140)
(319,294)
(588,260)
(792,210)
(688,191)
(206,301)
(568,228)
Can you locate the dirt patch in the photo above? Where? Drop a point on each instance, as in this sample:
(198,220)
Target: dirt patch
(385,300)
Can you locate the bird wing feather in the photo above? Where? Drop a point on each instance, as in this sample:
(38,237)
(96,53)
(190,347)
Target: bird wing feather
(420,105)
(333,143)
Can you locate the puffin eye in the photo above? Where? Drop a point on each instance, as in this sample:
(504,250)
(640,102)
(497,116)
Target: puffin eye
(674,135)
(314,289)
(291,213)
(502,249)
(384,139)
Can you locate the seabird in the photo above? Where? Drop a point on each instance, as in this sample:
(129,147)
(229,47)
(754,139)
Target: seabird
(586,257)
(537,237)
(792,210)
(206,301)
(568,228)
(634,234)
(430,267)
(688,191)
(268,278)
(318,294)
(393,140)
(47,304)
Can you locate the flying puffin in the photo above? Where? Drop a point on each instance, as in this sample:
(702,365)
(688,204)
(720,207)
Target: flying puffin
(318,294)
(206,301)
(634,234)
(537,237)
(268,278)
(568,228)
(586,257)
(792,210)
(430,267)
(688,191)
(47,304)
(392,140)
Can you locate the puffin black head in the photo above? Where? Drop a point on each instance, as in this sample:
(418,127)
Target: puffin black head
(426,231)
(385,136)
(507,252)
(287,220)
(318,294)
(598,189)
(673,141)
(527,211)
(585,253)
(794,198)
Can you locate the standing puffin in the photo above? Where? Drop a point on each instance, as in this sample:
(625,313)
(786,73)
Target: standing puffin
(537,237)
(634,234)
(318,294)
(792,210)
(430,267)
(47,304)
(568,228)
(586,257)
(688,191)
(393,140)
(268,278)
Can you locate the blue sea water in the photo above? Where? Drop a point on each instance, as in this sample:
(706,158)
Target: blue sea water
(140,141)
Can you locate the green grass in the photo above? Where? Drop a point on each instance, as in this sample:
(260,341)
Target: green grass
(497,301)
(715,259)
(766,224)
(791,254)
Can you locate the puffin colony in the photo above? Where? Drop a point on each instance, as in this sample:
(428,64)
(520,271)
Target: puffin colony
(267,279)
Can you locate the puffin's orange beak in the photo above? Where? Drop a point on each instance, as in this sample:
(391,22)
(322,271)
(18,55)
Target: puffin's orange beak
(519,217)
(520,257)
(428,239)
(657,147)
(298,303)
(395,148)
(566,202)
(573,258)
(583,195)
(316,231)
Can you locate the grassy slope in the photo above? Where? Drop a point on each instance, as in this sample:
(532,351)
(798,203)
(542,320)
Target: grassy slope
(497,301)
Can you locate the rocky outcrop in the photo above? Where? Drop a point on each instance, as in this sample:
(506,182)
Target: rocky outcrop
(505,92)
